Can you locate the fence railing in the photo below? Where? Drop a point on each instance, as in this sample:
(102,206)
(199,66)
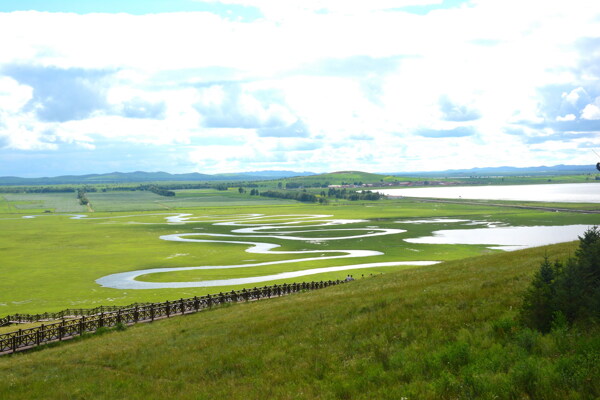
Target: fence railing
(68,313)
(66,329)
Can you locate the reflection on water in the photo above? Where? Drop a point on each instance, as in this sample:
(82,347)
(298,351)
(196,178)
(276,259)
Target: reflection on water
(506,238)
(561,193)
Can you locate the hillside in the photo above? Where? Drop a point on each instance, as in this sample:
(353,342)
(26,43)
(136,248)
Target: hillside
(340,178)
(445,331)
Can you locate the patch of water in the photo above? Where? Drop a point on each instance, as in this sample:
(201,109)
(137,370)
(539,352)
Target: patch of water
(561,193)
(506,238)
(252,228)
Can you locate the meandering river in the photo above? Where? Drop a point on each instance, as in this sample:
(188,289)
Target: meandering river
(251,227)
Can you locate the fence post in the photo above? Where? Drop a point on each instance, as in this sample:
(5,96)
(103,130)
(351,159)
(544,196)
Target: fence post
(152,312)
(168,308)
(81,325)
(182,307)
(136,315)
(196,303)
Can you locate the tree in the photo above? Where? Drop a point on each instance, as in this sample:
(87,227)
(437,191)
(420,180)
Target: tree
(571,289)
(538,303)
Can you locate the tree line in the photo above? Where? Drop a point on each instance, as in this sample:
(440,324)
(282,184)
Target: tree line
(352,195)
(307,197)
(112,188)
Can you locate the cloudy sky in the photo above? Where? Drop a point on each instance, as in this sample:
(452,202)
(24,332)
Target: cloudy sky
(310,85)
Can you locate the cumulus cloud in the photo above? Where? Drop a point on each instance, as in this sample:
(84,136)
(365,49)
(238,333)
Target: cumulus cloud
(591,112)
(311,82)
(139,108)
(568,117)
(460,131)
(457,112)
(61,94)
(230,106)
(297,129)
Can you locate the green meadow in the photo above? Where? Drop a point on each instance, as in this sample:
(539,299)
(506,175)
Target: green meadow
(443,331)
(51,262)
(446,331)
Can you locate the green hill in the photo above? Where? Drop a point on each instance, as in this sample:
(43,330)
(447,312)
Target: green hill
(445,331)
(340,178)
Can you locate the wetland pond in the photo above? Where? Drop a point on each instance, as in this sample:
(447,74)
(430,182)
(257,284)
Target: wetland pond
(559,192)
(505,238)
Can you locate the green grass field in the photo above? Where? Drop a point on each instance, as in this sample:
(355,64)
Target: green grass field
(444,331)
(51,262)
(440,332)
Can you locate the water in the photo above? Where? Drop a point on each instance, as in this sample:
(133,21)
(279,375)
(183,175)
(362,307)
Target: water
(290,227)
(506,238)
(560,193)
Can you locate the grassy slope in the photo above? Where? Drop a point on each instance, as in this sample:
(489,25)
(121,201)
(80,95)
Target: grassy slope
(437,332)
(337,178)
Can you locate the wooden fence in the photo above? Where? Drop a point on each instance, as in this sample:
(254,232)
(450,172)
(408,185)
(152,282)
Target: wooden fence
(23,339)
(68,313)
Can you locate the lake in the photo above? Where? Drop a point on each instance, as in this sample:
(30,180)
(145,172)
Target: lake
(560,192)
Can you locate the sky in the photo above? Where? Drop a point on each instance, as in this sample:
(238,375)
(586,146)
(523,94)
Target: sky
(95,86)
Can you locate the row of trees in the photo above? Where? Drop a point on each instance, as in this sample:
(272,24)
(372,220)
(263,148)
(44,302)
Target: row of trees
(112,188)
(161,191)
(566,292)
(294,195)
(352,194)
(306,197)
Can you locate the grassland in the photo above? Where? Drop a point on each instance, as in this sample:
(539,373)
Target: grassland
(51,262)
(440,332)
(445,331)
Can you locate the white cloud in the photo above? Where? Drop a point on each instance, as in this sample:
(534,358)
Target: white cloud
(309,74)
(13,96)
(568,117)
(591,112)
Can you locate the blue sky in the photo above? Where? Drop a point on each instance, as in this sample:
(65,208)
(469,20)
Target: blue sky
(319,85)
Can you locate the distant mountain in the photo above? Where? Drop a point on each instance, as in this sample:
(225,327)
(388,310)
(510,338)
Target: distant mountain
(140,176)
(305,177)
(259,175)
(506,171)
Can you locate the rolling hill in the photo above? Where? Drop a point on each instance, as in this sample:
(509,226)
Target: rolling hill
(444,331)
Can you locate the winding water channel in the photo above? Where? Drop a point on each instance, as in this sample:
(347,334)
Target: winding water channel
(250,226)
(293,227)
(246,228)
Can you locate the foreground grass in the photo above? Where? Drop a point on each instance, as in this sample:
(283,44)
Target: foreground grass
(445,331)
